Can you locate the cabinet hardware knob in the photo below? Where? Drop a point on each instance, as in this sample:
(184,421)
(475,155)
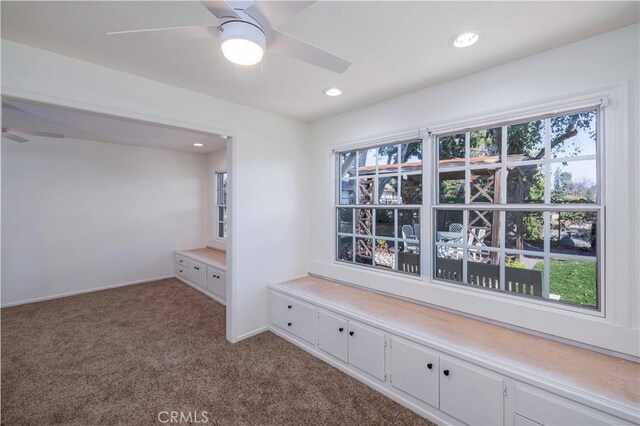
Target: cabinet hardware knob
(429,366)
(351,333)
(289,306)
(341,329)
(289,324)
(446,372)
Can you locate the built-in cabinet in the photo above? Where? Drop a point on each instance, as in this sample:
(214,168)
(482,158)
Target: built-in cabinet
(209,279)
(438,385)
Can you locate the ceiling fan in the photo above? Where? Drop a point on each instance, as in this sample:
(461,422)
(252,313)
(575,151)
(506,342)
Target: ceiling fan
(14,134)
(245,33)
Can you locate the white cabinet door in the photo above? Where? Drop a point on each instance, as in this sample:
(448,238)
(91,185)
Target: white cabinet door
(279,310)
(332,335)
(415,370)
(303,320)
(216,282)
(198,274)
(367,349)
(471,394)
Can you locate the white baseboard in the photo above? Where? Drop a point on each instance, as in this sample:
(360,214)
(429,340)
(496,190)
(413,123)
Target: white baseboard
(251,334)
(75,293)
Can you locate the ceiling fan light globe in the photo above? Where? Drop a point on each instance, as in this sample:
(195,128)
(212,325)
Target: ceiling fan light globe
(242,43)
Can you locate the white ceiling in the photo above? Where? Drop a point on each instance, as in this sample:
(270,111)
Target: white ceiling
(78,124)
(395,47)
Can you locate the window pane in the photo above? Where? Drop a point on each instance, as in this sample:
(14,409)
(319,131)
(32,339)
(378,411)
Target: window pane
(407,221)
(388,159)
(364,251)
(411,157)
(385,223)
(525,184)
(525,141)
(222,231)
(574,233)
(486,146)
(449,226)
(412,189)
(364,222)
(348,192)
(451,188)
(483,268)
(385,254)
(451,150)
(345,221)
(574,182)
(365,190)
(524,274)
(448,264)
(409,257)
(347,164)
(524,231)
(573,135)
(388,190)
(345,248)
(573,281)
(482,186)
(367,162)
(483,228)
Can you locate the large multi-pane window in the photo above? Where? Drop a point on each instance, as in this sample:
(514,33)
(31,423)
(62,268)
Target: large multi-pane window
(379,199)
(221,204)
(518,208)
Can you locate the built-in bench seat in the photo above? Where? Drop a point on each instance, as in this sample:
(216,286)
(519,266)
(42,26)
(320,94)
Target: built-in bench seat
(605,389)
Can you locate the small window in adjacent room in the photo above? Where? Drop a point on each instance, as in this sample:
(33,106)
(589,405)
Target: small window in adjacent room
(221,204)
(518,208)
(378,205)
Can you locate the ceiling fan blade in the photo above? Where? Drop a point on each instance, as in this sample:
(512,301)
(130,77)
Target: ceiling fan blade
(13,137)
(220,9)
(43,134)
(188,32)
(289,46)
(276,12)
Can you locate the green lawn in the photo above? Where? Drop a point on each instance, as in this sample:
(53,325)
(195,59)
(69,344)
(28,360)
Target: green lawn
(573,280)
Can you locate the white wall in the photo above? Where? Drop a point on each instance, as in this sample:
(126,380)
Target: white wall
(267,151)
(608,59)
(81,215)
(217,163)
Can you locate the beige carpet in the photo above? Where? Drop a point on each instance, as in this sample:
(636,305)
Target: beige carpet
(122,356)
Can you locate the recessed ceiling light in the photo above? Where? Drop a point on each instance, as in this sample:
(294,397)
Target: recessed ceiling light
(465,39)
(198,144)
(332,91)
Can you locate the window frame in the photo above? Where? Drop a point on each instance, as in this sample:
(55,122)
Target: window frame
(337,180)
(546,207)
(219,177)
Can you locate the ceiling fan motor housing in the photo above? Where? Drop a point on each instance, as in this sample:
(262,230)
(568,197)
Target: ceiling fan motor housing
(243,41)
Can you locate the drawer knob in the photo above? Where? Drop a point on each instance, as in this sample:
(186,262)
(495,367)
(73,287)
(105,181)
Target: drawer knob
(289,306)
(351,333)
(289,324)
(429,366)
(445,372)
(341,329)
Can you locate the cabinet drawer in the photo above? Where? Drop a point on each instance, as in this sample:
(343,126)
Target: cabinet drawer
(471,394)
(367,349)
(547,409)
(415,370)
(198,274)
(294,316)
(181,260)
(216,282)
(181,271)
(332,335)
